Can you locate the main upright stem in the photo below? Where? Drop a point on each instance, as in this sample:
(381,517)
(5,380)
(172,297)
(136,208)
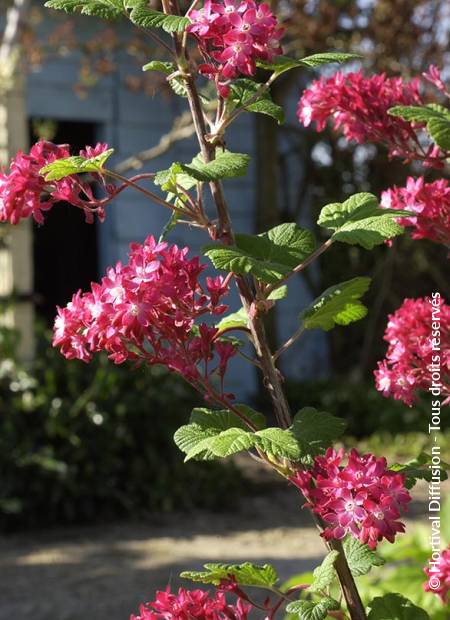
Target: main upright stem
(272,377)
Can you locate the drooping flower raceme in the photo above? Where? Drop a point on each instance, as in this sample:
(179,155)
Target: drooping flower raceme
(429,204)
(438,574)
(358,106)
(410,360)
(189,604)
(24,192)
(232,35)
(146,311)
(361,498)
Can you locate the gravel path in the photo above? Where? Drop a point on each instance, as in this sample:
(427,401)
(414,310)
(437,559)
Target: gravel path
(104,572)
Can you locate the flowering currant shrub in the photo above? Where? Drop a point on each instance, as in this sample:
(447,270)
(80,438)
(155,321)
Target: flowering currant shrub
(160,308)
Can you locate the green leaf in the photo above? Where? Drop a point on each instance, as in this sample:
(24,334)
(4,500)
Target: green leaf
(145,17)
(281,64)
(338,305)
(226,165)
(234,320)
(324,574)
(162,66)
(395,607)
(279,293)
(435,117)
(418,469)
(62,168)
(226,443)
(243,89)
(225,419)
(278,442)
(105,9)
(309,610)
(315,431)
(360,558)
(246,574)
(269,256)
(360,220)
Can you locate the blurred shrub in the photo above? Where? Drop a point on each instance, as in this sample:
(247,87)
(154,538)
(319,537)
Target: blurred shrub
(365,410)
(85,443)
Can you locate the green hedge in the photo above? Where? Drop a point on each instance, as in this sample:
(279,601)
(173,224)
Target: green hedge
(83,443)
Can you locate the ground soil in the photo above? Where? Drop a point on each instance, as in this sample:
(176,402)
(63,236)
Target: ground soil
(104,572)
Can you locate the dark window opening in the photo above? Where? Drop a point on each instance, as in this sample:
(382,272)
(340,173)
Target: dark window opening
(65,247)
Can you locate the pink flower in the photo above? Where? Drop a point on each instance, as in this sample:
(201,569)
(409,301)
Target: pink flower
(358,106)
(146,311)
(439,571)
(410,359)
(429,204)
(24,192)
(232,36)
(433,75)
(361,498)
(190,604)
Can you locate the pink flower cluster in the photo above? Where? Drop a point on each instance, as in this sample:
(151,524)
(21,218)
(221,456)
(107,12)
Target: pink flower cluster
(362,498)
(189,604)
(232,36)
(440,573)
(359,106)
(430,205)
(410,360)
(24,192)
(146,311)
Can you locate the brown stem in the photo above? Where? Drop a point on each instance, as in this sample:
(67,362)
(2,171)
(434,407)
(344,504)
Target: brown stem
(348,586)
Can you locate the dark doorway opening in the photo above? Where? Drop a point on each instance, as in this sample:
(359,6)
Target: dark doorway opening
(65,248)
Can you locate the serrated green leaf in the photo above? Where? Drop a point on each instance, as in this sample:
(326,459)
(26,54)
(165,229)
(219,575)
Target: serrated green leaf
(243,90)
(309,610)
(278,442)
(105,9)
(435,117)
(359,220)
(61,168)
(224,419)
(234,320)
(187,437)
(418,469)
(395,607)
(226,165)
(246,574)
(145,17)
(226,443)
(269,256)
(281,64)
(360,558)
(324,575)
(338,305)
(315,431)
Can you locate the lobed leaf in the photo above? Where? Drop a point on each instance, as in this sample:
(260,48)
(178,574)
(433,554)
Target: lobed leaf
(105,9)
(419,469)
(226,165)
(315,431)
(338,305)
(234,320)
(435,117)
(246,574)
(324,575)
(281,64)
(359,220)
(360,558)
(61,168)
(269,256)
(145,17)
(395,607)
(243,90)
(309,610)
